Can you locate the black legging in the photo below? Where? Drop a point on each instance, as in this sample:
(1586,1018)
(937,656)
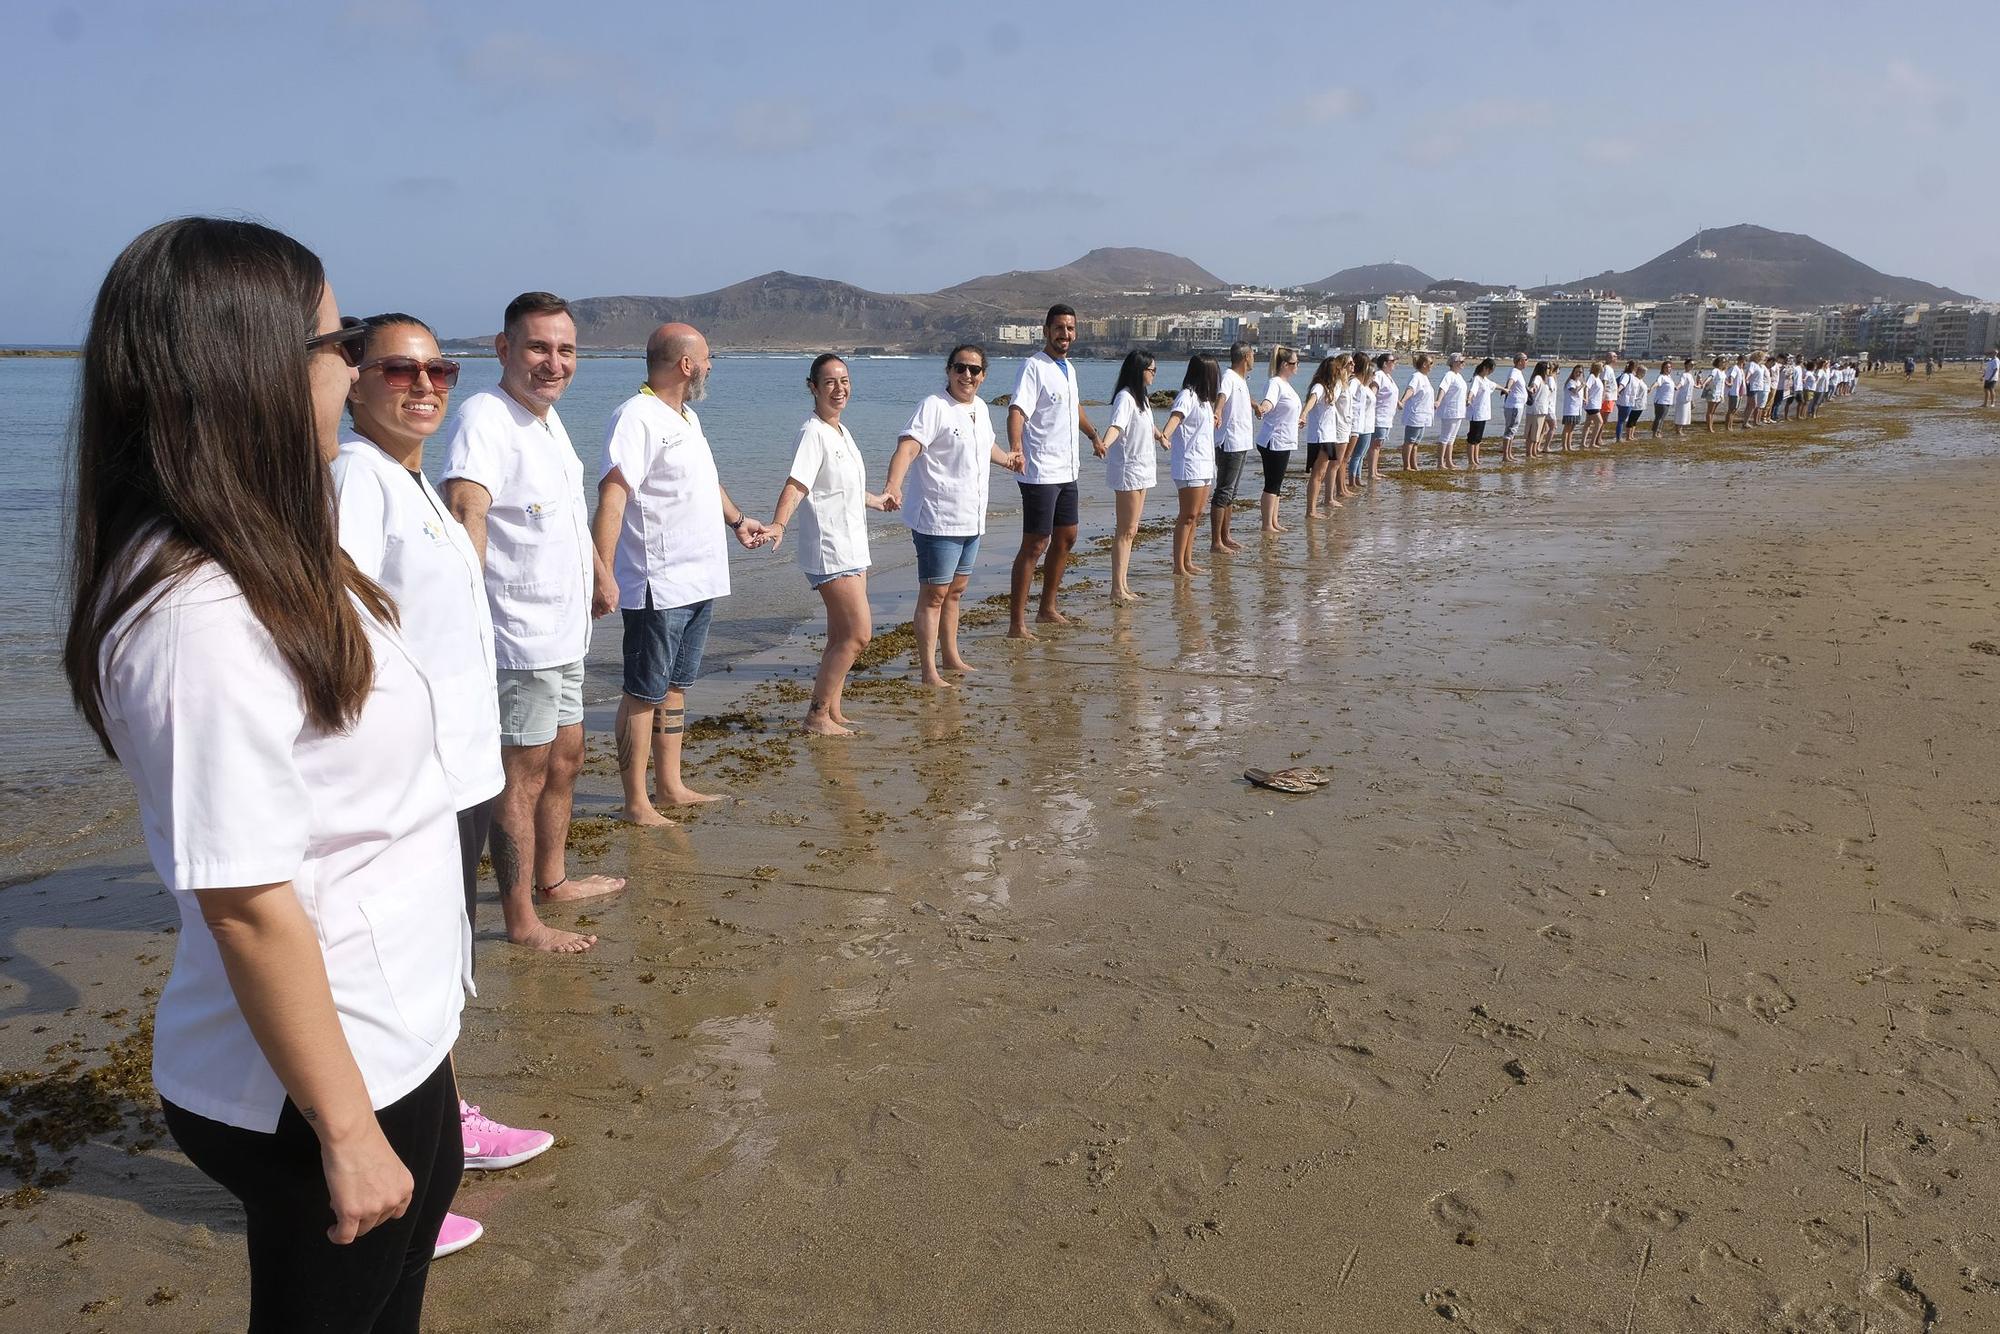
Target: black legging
(474,824)
(299,1280)
(1275,463)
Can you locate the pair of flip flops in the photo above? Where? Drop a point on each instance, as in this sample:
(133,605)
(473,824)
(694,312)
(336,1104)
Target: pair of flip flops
(1298,782)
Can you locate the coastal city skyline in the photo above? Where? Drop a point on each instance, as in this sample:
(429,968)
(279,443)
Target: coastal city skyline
(383,134)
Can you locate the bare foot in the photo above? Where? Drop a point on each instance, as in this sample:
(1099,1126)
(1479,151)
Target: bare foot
(1194,569)
(1050,616)
(539,937)
(1233,545)
(573,887)
(1217,547)
(1021,632)
(647,816)
(684,796)
(958,665)
(821,725)
(935,681)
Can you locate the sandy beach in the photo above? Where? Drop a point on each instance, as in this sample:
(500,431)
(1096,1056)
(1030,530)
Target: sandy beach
(1636,971)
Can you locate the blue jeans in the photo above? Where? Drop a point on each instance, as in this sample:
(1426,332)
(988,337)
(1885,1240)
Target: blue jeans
(1364,444)
(663,648)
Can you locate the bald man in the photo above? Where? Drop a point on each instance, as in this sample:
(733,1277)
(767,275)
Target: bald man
(661,539)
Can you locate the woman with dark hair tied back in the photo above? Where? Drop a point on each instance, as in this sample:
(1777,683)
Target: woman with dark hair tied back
(283,744)
(1190,429)
(828,490)
(1127,450)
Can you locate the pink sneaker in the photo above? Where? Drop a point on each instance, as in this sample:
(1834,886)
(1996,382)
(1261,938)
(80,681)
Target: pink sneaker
(457,1233)
(490,1146)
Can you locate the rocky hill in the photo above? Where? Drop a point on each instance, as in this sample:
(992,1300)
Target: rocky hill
(1373,280)
(1103,272)
(1749,263)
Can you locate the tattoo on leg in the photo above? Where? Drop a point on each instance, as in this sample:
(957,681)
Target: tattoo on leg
(670,722)
(624,741)
(506,859)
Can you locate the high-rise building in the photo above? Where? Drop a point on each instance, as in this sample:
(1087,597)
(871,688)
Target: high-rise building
(1677,327)
(1499,325)
(1579,326)
(1734,327)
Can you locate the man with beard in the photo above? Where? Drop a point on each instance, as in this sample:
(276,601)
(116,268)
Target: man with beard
(1044,421)
(662,560)
(513,479)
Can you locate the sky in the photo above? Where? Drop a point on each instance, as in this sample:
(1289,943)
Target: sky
(441,157)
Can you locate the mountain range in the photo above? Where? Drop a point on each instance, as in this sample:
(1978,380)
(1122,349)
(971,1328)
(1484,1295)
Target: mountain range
(787,310)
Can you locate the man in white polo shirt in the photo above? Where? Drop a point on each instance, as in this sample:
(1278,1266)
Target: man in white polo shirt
(513,479)
(1043,423)
(662,557)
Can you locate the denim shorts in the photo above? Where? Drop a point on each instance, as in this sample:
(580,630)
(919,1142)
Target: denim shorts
(1412,434)
(942,559)
(820,580)
(534,704)
(663,648)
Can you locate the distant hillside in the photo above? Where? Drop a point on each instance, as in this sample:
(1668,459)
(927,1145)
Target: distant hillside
(1102,272)
(790,310)
(1370,279)
(772,310)
(1757,264)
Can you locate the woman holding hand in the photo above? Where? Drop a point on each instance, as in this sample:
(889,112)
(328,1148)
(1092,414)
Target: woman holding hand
(1127,450)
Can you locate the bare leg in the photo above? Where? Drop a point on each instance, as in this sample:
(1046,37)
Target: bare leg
(553,810)
(948,627)
(1053,566)
(513,848)
(1192,499)
(669,732)
(635,744)
(1130,505)
(848,630)
(1025,560)
(930,610)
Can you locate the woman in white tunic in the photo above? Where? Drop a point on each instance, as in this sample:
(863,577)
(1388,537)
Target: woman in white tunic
(828,491)
(946,452)
(283,743)
(1127,450)
(401,534)
(1278,420)
(1190,432)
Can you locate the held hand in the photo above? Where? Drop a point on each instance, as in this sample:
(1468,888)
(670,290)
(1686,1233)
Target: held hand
(1017,461)
(1099,448)
(603,601)
(882,503)
(366,1183)
(772,536)
(751,533)
(892,498)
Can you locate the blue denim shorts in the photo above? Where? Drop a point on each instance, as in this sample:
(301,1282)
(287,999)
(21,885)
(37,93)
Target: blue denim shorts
(943,559)
(663,648)
(815,580)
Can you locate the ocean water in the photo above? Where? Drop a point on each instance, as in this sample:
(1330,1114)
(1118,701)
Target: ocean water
(53,777)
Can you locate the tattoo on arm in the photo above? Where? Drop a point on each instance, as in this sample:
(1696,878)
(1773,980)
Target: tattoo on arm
(506,859)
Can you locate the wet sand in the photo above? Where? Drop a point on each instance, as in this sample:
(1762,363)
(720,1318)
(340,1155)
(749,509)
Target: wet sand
(1636,971)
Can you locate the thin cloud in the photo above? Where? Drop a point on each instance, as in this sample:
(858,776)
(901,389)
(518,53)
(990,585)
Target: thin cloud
(1328,105)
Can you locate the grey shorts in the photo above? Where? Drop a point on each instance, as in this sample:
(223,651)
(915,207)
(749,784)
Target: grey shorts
(533,704)
(1228,471)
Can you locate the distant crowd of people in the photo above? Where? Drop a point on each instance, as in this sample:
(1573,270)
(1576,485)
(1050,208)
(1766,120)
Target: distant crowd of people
(334,684)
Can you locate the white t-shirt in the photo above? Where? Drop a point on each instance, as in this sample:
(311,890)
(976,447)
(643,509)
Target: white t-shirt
(832,520)
(1238,430)
(1451,396)
(1544,391)
(1325,423)
(1479,399)
(1992,370)
(1191,447)
(1361,416)
(1572,397)
(1417,412)
(1517,389)
(1385,400)
(1047,396)
(1736,377)
(1593,392)
(1129,464)
(538,552)
(1278,428)
(946,486)
(237,788)
(1758,378)
(401,535)
(1712,384)
(672,542)
(1663,388)
(1683,386)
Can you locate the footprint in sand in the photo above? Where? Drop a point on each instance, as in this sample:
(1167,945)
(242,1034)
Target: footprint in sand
(1765,996)
(1827,1240)
(1618,1239)
(1784,822)
(1171,1306)
(1462,1212)
(1631,1113)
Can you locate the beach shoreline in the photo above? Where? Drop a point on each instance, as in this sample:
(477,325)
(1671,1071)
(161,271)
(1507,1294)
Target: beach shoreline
(1636,967)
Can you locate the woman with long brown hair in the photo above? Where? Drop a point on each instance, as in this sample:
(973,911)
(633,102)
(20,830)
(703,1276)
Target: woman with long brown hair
(281,738)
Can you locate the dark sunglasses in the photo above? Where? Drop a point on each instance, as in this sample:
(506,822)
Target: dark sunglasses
(967,368)
(401,372)
(349,340)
